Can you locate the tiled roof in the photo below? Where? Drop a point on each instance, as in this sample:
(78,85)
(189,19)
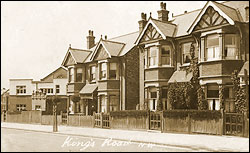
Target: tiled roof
(128,40)
(167,29)
(180,76)
(79,55)
(184,21)
(114,48)
(245,66)
(229,11)
(88,89)
(239,6)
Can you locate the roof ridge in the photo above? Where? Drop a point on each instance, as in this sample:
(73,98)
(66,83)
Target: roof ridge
(114,42)
(224,5)
(123,35)
(187,12)
(80,49)
(164,22)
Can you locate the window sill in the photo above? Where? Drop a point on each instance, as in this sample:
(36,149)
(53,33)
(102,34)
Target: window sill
(218,60)
(158,67)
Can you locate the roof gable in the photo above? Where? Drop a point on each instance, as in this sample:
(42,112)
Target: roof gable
(58,73)
(101,54)
(209,19)
(74,56)
(163,29)
(226,12)
(70,60)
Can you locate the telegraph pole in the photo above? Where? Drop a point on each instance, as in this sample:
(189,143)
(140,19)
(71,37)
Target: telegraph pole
(55,128)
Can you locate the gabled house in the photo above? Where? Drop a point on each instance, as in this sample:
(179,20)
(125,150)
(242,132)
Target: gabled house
(219,33)
(108,73)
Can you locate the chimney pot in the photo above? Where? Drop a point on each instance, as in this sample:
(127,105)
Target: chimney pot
(105,37)
(90,40)
(185,11)
(163,13)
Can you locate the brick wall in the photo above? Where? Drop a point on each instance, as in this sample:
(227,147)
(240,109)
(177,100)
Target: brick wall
(132,79)
(14,100)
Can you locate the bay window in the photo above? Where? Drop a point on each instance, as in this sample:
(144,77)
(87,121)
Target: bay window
(231,46)
(71,75)
(186,56)
(103,70)
(112,71)
(79,75)
(92,73)
(113,102)
(152,56)
(213,97)
(212,47)
(165,55)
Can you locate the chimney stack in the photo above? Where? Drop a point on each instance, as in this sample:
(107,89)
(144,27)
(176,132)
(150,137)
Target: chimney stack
(163,13)
(90,40)
(142,22)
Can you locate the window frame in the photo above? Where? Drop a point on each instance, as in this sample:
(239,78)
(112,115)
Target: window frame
(92,74)
(20,89)
(110,70)
(57,88)
(164,56)
(152,57)
(184,52)
(79,78)
(213,47)
(102,65)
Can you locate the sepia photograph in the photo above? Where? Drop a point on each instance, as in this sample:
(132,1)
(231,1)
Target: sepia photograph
(124,76)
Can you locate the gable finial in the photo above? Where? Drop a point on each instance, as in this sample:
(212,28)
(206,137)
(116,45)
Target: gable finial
(101,36)
(69,45)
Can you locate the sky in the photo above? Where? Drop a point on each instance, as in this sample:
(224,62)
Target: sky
(35,35)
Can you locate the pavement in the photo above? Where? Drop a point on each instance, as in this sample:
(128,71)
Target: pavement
(192,141)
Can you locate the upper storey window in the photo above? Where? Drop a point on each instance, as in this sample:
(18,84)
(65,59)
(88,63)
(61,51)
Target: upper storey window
(79,75)
(186,56)
(103,74)
(20,89)
(231,46)
(112,71)
(71,75)
(212,48)
(152,57)
(165,55)
(92,73)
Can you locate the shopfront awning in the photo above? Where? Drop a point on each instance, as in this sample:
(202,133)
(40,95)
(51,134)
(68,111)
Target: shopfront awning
(180,76)
(88,89)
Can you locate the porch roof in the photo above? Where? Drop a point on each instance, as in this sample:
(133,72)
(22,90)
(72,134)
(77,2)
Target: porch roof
(180,76)
(245,66)
(88,89)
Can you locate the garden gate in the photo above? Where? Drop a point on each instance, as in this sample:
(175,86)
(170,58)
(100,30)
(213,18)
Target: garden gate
(155,120)
(234,124)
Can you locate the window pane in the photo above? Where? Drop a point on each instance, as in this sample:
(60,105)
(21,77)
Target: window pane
(112,66)
(79,70)
(212,41)
(165,50)
(153,95)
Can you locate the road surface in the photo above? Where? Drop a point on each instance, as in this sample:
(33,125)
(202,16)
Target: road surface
(17,140)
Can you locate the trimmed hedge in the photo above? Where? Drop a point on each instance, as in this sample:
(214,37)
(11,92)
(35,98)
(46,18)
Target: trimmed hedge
(196,114)
(126,113)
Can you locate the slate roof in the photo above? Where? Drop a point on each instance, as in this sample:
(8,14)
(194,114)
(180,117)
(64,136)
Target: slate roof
(79,55)
(180,76)
(239,6)
(88,89)
(114,48)
(245,66)
(168,29)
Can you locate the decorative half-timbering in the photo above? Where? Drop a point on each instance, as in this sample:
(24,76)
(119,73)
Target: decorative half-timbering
(151,34)
(210,18)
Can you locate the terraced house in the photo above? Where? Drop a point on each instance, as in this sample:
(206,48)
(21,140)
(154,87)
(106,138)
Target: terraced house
(105,76)
(219,33)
